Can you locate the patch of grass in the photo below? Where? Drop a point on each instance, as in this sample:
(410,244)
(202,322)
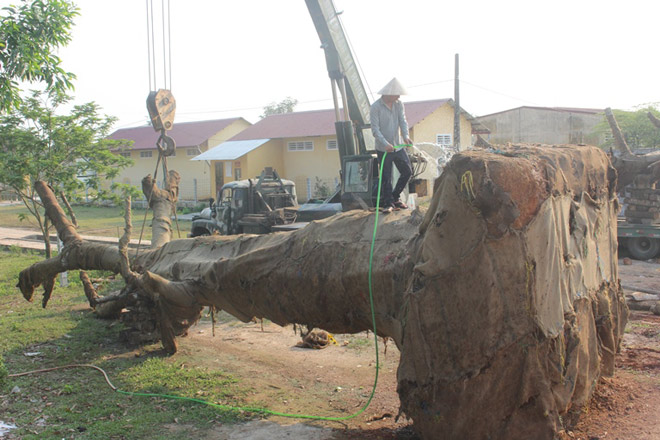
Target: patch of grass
(12,261)
(77,403)
(163,376)
(360,341)
(104,221)
(638,324)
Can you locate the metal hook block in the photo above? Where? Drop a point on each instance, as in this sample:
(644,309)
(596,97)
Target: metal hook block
(161,106)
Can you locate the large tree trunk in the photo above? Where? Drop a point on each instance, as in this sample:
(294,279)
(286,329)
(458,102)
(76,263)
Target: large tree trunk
(504,299)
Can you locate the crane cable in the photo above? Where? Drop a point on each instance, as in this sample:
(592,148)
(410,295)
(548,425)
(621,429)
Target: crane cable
(264,410)
(153,86)
(166,45)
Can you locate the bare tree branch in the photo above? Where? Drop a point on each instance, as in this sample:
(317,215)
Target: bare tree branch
(654,120)
(619,140)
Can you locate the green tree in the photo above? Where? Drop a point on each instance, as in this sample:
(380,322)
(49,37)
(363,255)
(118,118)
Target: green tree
(636,127)
(30,34)
(70,152)
(287,105)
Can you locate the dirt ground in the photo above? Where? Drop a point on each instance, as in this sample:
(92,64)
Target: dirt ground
(337,381)
(331,382)
(627,406)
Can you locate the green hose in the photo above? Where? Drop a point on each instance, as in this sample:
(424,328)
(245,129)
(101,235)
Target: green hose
(373,320)
(263,410)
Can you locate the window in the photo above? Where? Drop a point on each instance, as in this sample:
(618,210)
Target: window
(331,144)
(145,154)
(301,146)
(191,152)
(237,174)
(443,139)
(125,153)
(357,176)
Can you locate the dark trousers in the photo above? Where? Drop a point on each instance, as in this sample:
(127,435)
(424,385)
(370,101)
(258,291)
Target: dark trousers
(402,162)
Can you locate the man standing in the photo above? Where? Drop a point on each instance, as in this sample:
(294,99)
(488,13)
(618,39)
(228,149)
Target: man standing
(389,125)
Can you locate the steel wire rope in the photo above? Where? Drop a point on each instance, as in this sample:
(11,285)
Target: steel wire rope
(152,45)
(146,210)
(162,15)
(169,42)
(148,45)
(167,61)
(264,410)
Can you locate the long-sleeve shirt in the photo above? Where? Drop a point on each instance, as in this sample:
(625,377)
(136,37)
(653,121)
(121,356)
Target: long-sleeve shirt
(388,125)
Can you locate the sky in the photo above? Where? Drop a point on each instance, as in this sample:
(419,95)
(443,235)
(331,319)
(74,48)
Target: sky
(231,58)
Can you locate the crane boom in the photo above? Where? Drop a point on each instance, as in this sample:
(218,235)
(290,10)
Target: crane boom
(359,168)
(341,65)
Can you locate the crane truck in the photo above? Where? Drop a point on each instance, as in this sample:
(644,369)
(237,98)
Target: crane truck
(358,159)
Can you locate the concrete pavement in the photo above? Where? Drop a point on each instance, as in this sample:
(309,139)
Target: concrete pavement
(31,239)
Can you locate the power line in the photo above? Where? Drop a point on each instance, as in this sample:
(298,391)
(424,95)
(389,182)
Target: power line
(248,108)
(499,93)
(313,101)
(131,124)
(429,83)
(476,86)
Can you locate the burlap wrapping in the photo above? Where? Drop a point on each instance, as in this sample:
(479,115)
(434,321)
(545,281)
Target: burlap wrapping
(504,299)
(514,309)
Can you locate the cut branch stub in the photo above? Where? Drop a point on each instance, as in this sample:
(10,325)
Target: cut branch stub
(619,140)
(654,120)
(89,289)
(162,202)
(65,229)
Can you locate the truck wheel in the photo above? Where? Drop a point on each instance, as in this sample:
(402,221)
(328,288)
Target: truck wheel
(643,248)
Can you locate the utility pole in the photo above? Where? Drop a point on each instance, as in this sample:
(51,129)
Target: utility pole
(457,108)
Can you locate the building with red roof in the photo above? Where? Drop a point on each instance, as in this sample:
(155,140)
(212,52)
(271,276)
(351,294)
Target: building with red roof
(302,146)
(198,179)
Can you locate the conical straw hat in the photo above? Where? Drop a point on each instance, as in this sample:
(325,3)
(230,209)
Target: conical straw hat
(393,87)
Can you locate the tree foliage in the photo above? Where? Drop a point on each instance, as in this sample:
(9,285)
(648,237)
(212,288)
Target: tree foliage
(29,36)
(636,127)
(287,105)
(68,151)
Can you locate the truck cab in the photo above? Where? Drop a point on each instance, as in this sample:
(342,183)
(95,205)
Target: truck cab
(251,206)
